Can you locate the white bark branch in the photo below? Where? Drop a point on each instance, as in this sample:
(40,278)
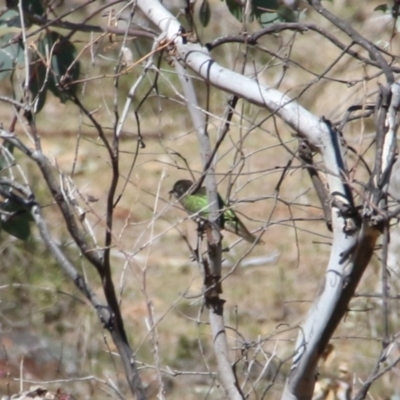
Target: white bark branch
(352,247)
(220,343)
(199,60)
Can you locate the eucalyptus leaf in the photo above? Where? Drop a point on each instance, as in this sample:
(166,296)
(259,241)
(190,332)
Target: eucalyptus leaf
(17,227)
(383,7)
(37,85)
(4,160)
(268,12)
(63,69)
(10,19)
(10,54)
(205,13)
(15,219)
(6,64)
(33,7)
(29,6)
(11,206)
(287,15)
(268,19)
(235,8)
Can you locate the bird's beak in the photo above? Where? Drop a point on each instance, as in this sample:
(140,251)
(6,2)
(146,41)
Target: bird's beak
(171,192)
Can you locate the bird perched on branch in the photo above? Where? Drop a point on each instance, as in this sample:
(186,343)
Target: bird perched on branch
(197,203)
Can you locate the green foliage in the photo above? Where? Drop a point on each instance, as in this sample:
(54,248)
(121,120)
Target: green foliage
(235,8)
(4,161)
(205,13)
(30,6)
(15,219)
(37,84)
(10,54)
(383,7)
(54,65)
(265,11)
(33,7)
(63,69)
(393,9)
(186,348)
(38,299)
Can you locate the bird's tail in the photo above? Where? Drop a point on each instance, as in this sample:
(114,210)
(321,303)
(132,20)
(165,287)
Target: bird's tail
(238,228)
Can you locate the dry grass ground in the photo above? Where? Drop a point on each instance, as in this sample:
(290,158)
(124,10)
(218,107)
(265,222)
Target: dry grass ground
(152,263)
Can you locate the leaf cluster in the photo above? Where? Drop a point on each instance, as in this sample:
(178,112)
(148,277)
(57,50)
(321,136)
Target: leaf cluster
(53,63)
(15,217)
(266,12)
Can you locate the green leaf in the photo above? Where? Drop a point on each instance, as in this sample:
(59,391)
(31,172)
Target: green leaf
(4,160)
(235,8)
(11,19)
(30,6)
(37,85)
(205,13)
(10,55)
(33,7)
(275,12)
(17,228)
(63,69)
(11,3)
(287,15)
(268,19)
(6,64)
(387,9)
(15,219)
(383,7)
(12,206)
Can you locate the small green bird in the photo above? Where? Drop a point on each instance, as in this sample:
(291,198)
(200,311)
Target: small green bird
(197,203)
